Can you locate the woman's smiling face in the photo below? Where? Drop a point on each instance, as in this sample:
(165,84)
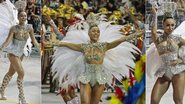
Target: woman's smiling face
(94,33)
(169,25)
(22,17)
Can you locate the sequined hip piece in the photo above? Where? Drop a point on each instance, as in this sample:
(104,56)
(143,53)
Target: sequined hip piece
(16,48)
(167,69)
(93,74)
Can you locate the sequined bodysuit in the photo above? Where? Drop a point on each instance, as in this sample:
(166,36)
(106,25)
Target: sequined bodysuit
(19,40)
(168,50)
(94,73)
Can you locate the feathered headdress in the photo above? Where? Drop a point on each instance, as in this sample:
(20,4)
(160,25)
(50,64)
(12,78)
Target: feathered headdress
(95,19)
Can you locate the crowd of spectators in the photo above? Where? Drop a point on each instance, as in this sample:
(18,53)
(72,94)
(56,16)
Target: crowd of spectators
(115,10)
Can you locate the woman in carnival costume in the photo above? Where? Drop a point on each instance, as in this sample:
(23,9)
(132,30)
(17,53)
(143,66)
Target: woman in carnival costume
(92,59)
(168,51)
(15,43)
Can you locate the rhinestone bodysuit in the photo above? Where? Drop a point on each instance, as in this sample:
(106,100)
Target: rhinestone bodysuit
(168,50)
(19,40)
(94,73)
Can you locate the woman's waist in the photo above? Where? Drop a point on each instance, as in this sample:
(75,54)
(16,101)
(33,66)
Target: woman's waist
(94,62)
(19,42)
(169,57)
(172,67)
(93,67)
(17,45)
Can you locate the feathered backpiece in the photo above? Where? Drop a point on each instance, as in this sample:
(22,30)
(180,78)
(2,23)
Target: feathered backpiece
(8,17)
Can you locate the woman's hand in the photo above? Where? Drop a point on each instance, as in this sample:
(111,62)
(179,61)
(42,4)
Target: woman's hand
(135,35)
(48,18)
(154,10)
(56,43)
(139,33)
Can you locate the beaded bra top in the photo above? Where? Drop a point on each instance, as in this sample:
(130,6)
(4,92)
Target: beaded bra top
(167,44)
(94,52)
(21,33)
(168,47)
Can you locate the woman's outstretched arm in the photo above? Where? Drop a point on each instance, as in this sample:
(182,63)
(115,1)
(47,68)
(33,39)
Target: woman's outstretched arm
(123,39)
(75,47)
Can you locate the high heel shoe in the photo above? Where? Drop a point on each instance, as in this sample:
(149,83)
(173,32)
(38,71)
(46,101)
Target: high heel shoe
(2,96)
(5,82)
(22,101)
(21,92)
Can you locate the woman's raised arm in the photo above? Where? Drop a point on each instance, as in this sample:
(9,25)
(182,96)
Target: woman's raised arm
(154,25)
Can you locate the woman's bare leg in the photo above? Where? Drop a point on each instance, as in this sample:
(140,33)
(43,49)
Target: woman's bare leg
(159,89)
(178,83)
(17,65)
(97,92)
(11,70)
(6,80)
(85,93)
